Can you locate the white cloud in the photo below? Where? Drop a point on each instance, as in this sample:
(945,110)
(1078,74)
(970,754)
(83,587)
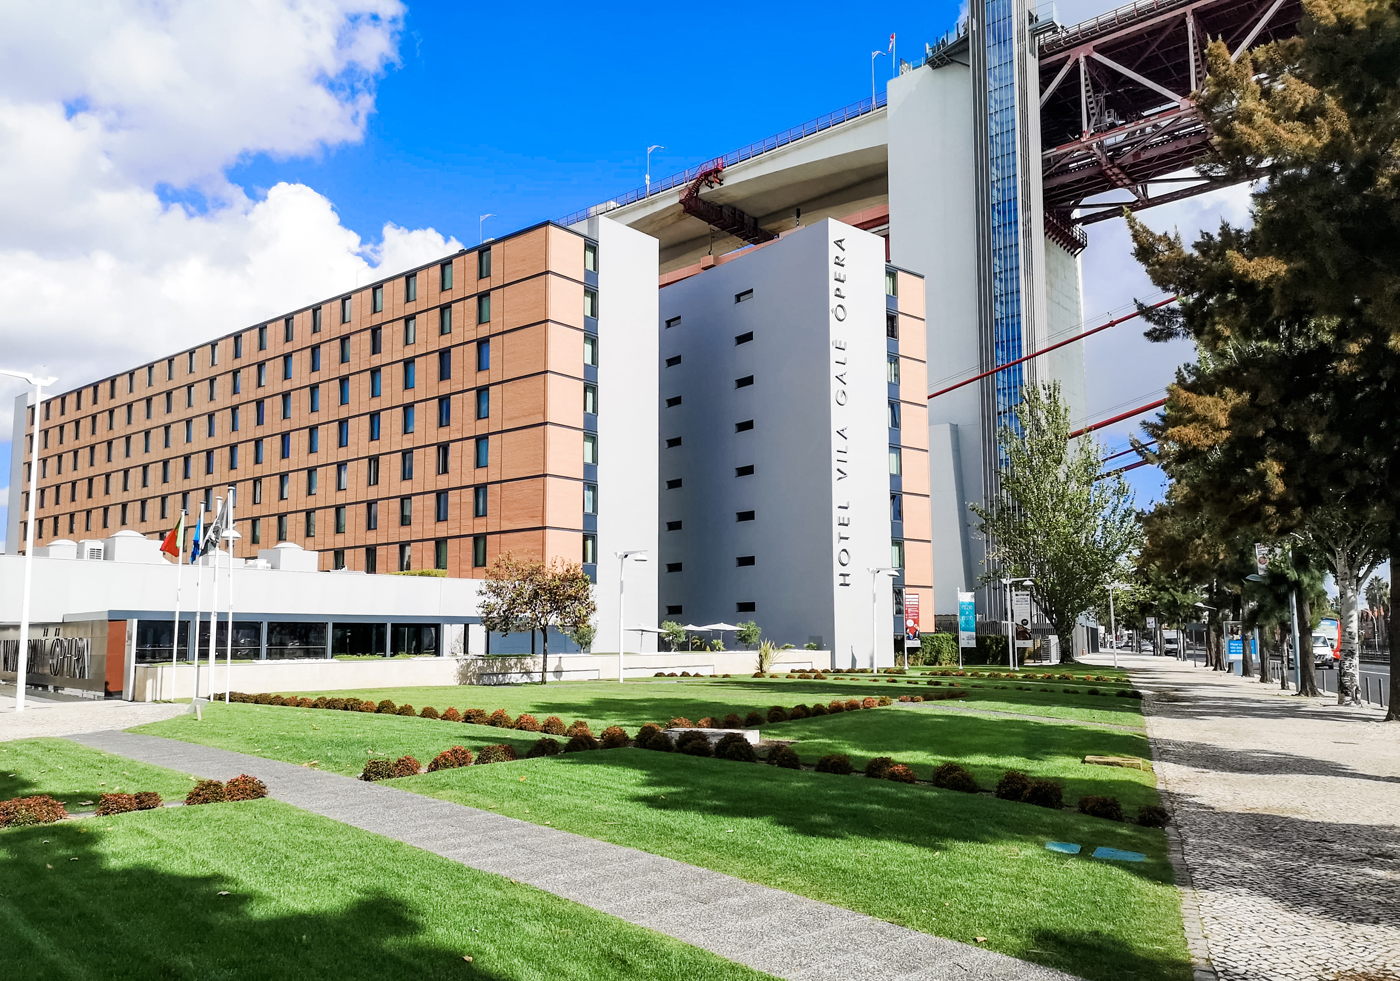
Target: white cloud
(106,109)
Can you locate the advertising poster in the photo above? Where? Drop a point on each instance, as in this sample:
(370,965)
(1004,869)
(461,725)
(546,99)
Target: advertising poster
(911,619)
(1021,615)
(967,620)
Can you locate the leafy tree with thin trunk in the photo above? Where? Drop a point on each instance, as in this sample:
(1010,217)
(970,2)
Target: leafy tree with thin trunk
(530,595)
(1054,520)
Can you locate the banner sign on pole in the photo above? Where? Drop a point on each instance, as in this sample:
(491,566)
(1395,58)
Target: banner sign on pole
(911,619)
(1021,614)
(967,620)
(1234,640)
(1262,555)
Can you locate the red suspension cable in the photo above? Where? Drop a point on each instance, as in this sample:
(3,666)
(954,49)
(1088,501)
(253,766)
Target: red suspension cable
(1119,418)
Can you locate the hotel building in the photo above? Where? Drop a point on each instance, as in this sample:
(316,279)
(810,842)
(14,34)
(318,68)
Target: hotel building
(497,400)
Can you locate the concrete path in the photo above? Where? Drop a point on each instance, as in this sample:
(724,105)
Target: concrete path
(766,929)
(1289,814)
(46,715)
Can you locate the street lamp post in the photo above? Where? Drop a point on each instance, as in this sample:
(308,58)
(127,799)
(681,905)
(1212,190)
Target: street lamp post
(875,575)
(638,555)
(873,56)
(648,173)
(1112,629)
(22,665)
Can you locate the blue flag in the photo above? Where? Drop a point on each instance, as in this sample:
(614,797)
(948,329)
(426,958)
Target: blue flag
(198,536)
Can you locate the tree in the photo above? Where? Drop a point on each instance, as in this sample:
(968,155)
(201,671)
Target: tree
(530,595)
(748,633)
(1054,520)
(673,633)
(584,636)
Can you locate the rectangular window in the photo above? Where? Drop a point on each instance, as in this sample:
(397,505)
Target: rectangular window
(892,370)
(673,442)
(478,502)
(673,566)
(257,490)
(483,403)
(344,385)
(483,263)
(440,506)
(149,403)
(313,440)
(237,385)
(744,382)
(673,526)
(896,465)
(310,524)
(405,557)
(440,554)
(286,446)
(479,551)
(892,326)
(410,287)
(284,483)
(316,357)
(233,457)
(744,471)
(372,471)
(345,350)
(373,426)
(212,392)
(408,419)
(590,498)
(445,276)
(371,560)
(286,405)
(345,310)
(185,468)
(743,427)
(406,465)
(342,476)
(483,451)
(257,531)
(590,399)
(410,374)
(671,362)
(315,320)
(165,471)
(286,367)
(897,553)
(444,412)
(262,375)
(673,401)
(442,459)
(590,549)
(444,365)
(590,303)
(315,392)
(145,477)
(340,520)
(590,448)
(372,516)
(377,299)
(208,462)
(743,515)
(590,349)
(287,331)
(896,507)
(312,482)
(891,283)
(260,410)
(894,415)
(743,607)
(238,346)
(405,512)
(483,308)
(375,385)
(483,355)
(342,433)
(338,558)
(590,256)
(741,297)
(376,340)
(673,322)
(410,330)
(743,338)
(673,484)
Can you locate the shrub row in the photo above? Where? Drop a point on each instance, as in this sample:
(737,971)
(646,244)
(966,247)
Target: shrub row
(145,800)
(23,811)
(687,674)
(582,740)
(500,718)
(241,787)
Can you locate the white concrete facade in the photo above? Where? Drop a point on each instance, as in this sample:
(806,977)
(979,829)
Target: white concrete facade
(774,469)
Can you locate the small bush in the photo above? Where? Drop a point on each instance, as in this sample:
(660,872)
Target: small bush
(365,706)
(951,776)
(451,715)
(900,773)
(148,800)
(475,717)
(869,703)
(758,674)
(753,720)
(918,698)
(906,698)
(495,754)
(817,709)
(335,704)
(1013,785)
(1045,793)
(1152,816)
(544,746)
(1101,807)
(884,700)
(305,703)
(798,712)
(735,748)
(835,706)
(785,757)
(500,719)
(406,709)
(386,707)
(852,705)
(377,769)
(320,703)
(694,743)
(578,727)
(451,759)
(652,736)
(206,792)
(777,714)
(680,722)
(115,804)
(614,737)
(24,811)
(1092,691)
(580,742)
(707,722)
(428,712)
(527,723)
(878,767)
(835,763)
(262,699)
(552,726)
(732,721)
(244,787)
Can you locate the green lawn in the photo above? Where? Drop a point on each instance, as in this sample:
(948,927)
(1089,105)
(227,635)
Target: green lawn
(986,745)
(956,865)
(636,703)
(262,890)
(74,774)
(337,742)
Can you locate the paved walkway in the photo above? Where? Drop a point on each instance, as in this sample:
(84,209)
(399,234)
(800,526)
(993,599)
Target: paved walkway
(766,929)
(1289,815)
(47,715)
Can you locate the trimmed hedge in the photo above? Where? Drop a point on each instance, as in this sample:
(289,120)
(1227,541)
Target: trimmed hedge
(451,759)
(878,767)
(244,787)
(900,773)
(206,792)
(838,763)
(23,811)
(115,804)
(1044,792)
(1013,785)
(495,754)
(553,726)
(785,757)
(734,747)
(544,746)
(1101,807)
(377,769)
(615,737)
(580,742)
(952,776)
(148,800)
(693,743)
(500,719)
(527,723)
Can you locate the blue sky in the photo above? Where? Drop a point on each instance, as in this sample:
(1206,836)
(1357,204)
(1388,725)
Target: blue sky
(266,159)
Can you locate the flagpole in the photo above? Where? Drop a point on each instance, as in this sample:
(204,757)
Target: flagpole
(179,573)
(198,612)
(214,602)
(228,649)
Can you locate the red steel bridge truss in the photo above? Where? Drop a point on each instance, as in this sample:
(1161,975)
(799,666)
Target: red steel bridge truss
(1119,121)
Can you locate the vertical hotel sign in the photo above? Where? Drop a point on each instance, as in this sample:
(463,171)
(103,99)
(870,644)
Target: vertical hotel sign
(840,412)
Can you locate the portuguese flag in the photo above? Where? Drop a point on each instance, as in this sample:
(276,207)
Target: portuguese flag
(175,541)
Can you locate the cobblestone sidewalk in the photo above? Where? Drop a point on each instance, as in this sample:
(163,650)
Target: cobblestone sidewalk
(1289,815)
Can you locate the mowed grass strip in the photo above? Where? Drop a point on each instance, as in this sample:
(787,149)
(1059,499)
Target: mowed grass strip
(73,774)
(986,745)
(142,895)
(635,703)
(334,741)
(956,865)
